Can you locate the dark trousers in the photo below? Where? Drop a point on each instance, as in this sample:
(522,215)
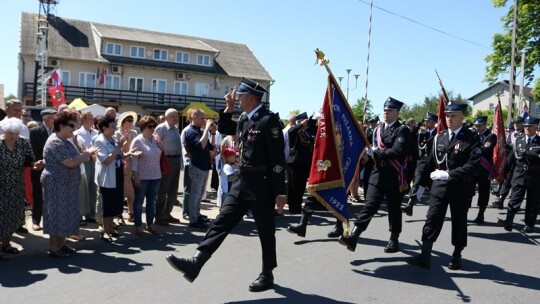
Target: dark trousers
(531,209)
(296,186)
(37,193)
(365,178)
(168,190)
(411,170)
(435,220)
(231,213)
(374,197)
(418,180)
(484,184)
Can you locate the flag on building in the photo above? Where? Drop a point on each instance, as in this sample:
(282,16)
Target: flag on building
(101,74)
(441,124)
(499,152)
(56,89)
(339,144)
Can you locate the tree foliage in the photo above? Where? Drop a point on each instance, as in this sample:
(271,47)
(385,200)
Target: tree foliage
(430,105)
(358,109)
(528,42)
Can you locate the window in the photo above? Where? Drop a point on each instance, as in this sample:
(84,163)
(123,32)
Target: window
(112,82)
(180,88)
(87,80)
(201,89)
(203,60)
(160,54)
(491,106)
(138,51)
(113,49)
(159,86)
(182,57)
(136,84)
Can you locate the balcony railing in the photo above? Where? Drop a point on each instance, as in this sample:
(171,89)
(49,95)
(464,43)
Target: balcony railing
(146,99)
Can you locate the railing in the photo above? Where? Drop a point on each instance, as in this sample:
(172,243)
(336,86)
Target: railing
(119,97)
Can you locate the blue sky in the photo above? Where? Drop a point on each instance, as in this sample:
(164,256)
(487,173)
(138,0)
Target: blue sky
(284,35)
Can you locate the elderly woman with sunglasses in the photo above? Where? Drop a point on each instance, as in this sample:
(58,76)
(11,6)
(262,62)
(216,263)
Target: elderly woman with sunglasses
(146,173)
(61,180)
(125,123)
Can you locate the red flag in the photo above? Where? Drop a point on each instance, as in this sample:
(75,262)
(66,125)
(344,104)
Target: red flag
(441,124)
(56,89)
(499,152)
(101,75)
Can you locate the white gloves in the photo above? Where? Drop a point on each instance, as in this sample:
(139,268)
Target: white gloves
(369,152)
(439,175)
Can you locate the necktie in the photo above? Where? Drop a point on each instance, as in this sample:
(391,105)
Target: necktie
(452,137)
(528,141)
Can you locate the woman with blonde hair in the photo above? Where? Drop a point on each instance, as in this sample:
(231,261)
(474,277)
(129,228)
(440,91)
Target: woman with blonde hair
(125,122)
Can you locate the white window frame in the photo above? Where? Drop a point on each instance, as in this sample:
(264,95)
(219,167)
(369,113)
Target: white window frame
(201,60)
(87,75)
(66,76)
(135,88)
(182,55)
(181,88)
(161,52)
(114,51)
(155,85)
(112,82)
(138,50)
(202,89)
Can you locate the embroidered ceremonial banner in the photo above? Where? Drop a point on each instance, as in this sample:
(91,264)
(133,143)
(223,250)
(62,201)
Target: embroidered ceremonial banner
(441,124)
(338,147)
(499,152)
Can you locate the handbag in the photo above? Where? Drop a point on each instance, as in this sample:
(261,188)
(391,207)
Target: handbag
(164,163)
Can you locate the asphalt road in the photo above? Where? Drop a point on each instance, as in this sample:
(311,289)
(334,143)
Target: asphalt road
(499,266)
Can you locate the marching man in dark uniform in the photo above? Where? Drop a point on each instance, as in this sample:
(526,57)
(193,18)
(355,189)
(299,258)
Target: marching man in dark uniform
(455,158)
(425,145)
(525,177)
(259,186)
(368,166)
(387,177)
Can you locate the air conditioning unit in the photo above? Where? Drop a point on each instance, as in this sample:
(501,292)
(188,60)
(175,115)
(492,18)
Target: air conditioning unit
(116,69)
(54,63)
(181,76)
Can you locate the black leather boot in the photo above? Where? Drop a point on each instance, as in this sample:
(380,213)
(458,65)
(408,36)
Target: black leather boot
(337,230)
(422,260)
(508,223)
(393,244)
(480,217)
(300,229)
(455,262)
(408,209)
(189,267)
(264,282)
(350,240)
(499,203)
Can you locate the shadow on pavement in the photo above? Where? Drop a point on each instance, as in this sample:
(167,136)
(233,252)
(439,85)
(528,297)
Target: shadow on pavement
(293,296)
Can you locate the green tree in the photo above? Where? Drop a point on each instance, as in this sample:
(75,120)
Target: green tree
(10,97)
(358,109)
(528,42)
(430,105)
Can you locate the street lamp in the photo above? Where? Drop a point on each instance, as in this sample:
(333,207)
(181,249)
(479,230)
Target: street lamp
(356,82)
(340,78)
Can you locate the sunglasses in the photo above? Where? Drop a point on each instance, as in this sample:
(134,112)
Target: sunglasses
(151,126)
(129,119)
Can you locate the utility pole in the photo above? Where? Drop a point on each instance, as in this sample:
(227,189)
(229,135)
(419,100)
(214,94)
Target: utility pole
(513,62)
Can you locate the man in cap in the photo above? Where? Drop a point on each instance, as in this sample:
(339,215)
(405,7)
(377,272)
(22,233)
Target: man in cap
(368,166)
(259,185)
(389,151)
(455,159)
(425,146)
(526,157)
(38,137)
(482,178)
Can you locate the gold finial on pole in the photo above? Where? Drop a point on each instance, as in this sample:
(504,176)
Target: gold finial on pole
(320,58)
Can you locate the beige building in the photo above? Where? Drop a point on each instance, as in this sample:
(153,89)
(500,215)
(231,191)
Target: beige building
(135,69)
(487,98)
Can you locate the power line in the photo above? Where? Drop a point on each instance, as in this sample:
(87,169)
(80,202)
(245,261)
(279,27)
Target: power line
(425,25)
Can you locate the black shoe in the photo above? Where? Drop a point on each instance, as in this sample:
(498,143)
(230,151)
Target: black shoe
(91,220)
(264,282)
(455,263)
(22,230)
(527,229)
(204,219)
(297,229)
(393,246)
(189,267)
(408,209)
(422,260)
(498,204)
(336,231)
(505,225)
(198,225)
(349,241)
(495,192)
(479,220)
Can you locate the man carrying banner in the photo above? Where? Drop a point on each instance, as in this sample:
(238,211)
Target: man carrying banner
(259,185)
(387,177)
(425,145)
(455,158)
(486,171)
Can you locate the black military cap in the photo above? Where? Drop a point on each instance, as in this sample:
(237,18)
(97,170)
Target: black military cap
(431,116)
(519,119)
(453,106)
(510,126)
(47,112)
(531,121)
(393,104)
(250,86)
(373,119)
(480,120)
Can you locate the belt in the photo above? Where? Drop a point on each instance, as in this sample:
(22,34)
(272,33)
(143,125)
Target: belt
(527,167)
(254,168)
(174,156)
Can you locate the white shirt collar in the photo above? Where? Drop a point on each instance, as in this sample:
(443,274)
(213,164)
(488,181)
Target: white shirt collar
(456,132)
(250,114)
